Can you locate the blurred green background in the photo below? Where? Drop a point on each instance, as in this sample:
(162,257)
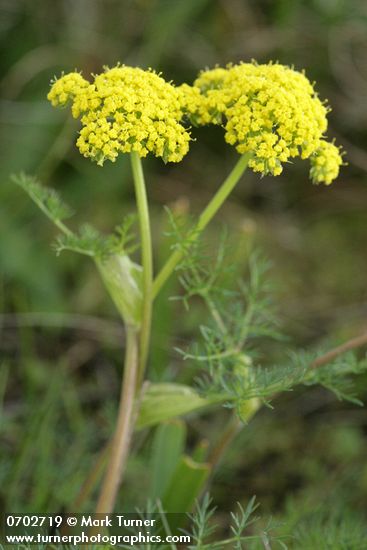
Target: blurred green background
(60,336)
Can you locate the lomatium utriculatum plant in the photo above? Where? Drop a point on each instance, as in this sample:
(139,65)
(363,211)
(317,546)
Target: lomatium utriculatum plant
(271,114)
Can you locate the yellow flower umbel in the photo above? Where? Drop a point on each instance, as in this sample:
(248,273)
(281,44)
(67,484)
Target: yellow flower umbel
(124,109)
(270,111)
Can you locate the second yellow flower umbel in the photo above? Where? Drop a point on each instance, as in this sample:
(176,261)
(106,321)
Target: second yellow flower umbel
(269,110)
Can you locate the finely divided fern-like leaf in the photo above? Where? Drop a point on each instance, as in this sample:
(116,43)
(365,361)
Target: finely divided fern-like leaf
(91,242)
(87,240)
(225,355)
(46,199)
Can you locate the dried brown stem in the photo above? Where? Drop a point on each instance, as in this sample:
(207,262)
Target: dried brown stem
(354,343)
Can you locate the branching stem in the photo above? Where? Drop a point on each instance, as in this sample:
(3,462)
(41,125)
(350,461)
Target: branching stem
(136,355)
(224,191)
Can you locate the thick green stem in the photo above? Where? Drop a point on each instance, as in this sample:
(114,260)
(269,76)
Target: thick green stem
(121,440)
(226,188)
(147,261)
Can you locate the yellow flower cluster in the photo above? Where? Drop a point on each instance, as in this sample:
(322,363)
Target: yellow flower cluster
(325,163)
(269,110)
(124,109)
(66,89)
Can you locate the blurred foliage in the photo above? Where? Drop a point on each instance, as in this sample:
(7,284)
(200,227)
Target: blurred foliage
(60,343)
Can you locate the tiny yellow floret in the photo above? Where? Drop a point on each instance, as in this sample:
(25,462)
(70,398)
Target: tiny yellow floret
(270,111)
(124,109)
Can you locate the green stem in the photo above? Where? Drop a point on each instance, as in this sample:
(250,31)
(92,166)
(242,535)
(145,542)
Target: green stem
(147,261)
(121,440)
(227,436)
(224,191)
(230,431)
